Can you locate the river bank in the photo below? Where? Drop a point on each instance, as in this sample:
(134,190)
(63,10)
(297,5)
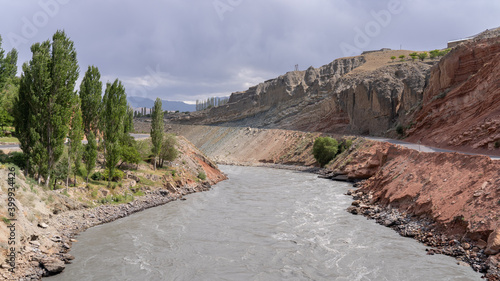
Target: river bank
(260,224)
(47,221)
(68,225)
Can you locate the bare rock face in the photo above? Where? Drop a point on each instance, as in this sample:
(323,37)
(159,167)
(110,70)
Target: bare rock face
(328,99)
(461,106)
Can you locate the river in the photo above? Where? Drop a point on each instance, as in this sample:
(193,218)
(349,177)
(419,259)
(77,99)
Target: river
(261,224)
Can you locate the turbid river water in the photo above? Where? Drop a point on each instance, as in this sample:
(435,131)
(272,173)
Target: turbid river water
(261,224)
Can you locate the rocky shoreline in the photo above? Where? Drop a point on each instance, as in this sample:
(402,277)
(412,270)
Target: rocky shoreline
(41,263)
(466,251)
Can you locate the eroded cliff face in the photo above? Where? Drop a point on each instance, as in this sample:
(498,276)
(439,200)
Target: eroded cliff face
(341,97)
(461,105)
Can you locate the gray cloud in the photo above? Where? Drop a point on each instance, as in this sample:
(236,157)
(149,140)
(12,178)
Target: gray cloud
(187,50)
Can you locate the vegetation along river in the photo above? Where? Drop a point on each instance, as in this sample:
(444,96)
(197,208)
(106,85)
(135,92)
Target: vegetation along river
(261,224)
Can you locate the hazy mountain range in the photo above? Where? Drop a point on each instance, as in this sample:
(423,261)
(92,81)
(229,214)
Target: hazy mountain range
(137,102)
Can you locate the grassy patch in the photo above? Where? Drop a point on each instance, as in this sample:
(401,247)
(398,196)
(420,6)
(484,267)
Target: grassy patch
(145,181)
(6,220)
(117,199)
(9,140)
(202,176)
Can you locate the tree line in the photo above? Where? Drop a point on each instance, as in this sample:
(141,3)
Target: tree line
(49,112)
(423,55)
(9,85)
(211,102)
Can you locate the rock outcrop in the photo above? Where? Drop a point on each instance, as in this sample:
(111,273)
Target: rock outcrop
(461,107)
(345,96)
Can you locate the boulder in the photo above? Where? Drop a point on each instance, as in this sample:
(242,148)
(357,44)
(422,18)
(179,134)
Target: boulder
(52,265)
(493,246)
(43,225)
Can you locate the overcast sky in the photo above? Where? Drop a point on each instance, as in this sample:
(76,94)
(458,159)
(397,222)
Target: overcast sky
(194,49)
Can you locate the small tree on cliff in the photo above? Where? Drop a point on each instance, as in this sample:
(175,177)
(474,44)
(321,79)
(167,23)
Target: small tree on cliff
(434,54)
(168,151)
(402,57)
(422,56)
(325,149)
(156,129)
(393,58)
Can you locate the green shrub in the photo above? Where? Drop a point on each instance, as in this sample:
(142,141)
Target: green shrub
(393,58)
(117,175)
(422,56)
(402,58)
(202,176)
(325,149)
(434,54)
(18,159)
(345,145)
(413,56)
(139,193)
(444,52)
(97,176)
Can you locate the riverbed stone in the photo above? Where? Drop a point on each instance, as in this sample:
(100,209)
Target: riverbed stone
(43,225)
(493,246)
(52,265)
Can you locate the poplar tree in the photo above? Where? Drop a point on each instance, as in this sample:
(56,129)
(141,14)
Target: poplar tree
(113,114)
(90,154)
(156,128)
(75,143)
(129,120)
(90,96)
(47,90)
(35,83)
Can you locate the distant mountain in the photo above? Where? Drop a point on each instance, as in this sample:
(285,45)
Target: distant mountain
(137,102)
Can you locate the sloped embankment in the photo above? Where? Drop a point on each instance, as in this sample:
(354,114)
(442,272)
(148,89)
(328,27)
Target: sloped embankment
(453,198)
(249,146)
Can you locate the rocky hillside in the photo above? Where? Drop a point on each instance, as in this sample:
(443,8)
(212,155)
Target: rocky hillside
(451,102)
(461,105)
(48,220)
(367,94)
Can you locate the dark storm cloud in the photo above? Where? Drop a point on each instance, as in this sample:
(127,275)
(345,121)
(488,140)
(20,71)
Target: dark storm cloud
(186,50)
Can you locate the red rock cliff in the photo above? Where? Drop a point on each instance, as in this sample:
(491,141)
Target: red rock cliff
(461,104)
